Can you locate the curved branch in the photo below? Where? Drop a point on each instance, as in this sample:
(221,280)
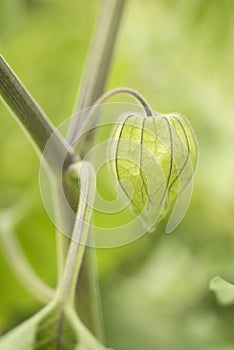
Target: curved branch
(87,182)
(21,267)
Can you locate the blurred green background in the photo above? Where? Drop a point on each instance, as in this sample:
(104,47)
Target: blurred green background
(180,55)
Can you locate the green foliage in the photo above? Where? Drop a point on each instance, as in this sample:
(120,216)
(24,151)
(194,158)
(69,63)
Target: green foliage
(51,328)
(223,290)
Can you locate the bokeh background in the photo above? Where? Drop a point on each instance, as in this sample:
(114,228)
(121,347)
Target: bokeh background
(179,54)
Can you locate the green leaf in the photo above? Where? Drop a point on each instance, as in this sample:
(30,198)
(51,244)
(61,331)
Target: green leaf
(54,327)
(46,330)
(21,338)
(224,291)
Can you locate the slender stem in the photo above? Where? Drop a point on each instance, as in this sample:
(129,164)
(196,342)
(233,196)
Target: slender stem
(86,337)
(18,210)
(128,91)
(38,126)
(92,271)
(124,90)
(87,184)
(61,242)
(9,218)
(22,268)
(99,61)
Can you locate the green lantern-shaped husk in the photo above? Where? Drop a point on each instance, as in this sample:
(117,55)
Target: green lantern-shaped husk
(154,159)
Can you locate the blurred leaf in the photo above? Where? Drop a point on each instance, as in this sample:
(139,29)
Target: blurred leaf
(46,329)
(54,327)
(224,291)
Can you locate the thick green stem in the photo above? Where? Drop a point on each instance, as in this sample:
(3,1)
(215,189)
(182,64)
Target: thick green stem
(59,154)
(29,114)
(98,63)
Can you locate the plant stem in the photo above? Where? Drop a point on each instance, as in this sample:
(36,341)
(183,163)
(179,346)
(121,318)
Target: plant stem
(15,254)
(29,114)
(91,88)
(59,154)
(22,268)
(98,64)
(120,90)
(87,182)
(131,92)
(86,337)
